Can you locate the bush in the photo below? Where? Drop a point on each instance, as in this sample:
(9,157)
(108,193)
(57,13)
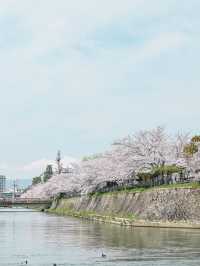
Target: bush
(36,180)
(157,171)
(196,139)
(190,149)
(166,170)
(91,157)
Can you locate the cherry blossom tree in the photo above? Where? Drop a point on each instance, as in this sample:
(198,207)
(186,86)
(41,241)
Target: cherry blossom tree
(149,148)
(138,153)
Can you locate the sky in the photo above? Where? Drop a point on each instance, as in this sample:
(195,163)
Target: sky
(76,75)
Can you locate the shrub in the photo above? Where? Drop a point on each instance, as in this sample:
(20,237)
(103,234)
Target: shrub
(166,170)
(36,180)
(190,149)
(160,171)
(196,139)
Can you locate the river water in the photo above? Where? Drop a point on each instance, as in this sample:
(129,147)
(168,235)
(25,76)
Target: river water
(44,239)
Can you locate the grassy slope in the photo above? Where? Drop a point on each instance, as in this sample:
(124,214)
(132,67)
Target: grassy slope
(193,185)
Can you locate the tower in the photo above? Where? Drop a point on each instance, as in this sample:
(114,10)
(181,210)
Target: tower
(58,161)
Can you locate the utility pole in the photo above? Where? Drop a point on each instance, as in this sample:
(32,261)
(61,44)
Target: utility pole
(58,161)
(14,189)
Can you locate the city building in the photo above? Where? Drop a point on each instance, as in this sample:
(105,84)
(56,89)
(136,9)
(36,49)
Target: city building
(2,183)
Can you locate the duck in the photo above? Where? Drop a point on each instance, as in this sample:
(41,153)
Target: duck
(103,255)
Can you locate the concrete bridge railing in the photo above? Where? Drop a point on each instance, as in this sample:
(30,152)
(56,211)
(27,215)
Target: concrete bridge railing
(27,202)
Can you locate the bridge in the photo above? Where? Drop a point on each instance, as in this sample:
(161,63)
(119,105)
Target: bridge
(30,203)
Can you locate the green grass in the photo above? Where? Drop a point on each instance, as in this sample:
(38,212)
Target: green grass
(106,217)
(193,185)
(96,194)
(181,185)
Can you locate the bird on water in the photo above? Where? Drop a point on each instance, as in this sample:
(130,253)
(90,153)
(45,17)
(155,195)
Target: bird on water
(103,255)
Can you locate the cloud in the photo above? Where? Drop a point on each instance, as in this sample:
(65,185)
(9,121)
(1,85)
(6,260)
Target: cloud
(164,42)
(78,74)
(31,169)
(40,165)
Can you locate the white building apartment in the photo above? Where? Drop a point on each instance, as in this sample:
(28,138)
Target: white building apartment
(2,183)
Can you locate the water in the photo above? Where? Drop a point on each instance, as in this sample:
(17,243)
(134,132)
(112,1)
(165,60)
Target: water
(45,239)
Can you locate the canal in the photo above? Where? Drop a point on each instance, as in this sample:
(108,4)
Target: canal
(44,239)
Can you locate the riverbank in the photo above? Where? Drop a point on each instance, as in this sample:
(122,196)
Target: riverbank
(158,207)
(127,221)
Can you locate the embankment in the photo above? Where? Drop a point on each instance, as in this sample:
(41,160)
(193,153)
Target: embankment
(174,207)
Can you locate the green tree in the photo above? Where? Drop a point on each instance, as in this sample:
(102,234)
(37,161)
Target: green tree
(36,180)
(159,171)
(196,139)
(91,157)
(190,149)
(48,173)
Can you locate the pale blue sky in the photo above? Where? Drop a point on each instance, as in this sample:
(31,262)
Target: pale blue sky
(76,75)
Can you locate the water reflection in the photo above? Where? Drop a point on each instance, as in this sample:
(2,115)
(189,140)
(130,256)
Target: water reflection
(45,239)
